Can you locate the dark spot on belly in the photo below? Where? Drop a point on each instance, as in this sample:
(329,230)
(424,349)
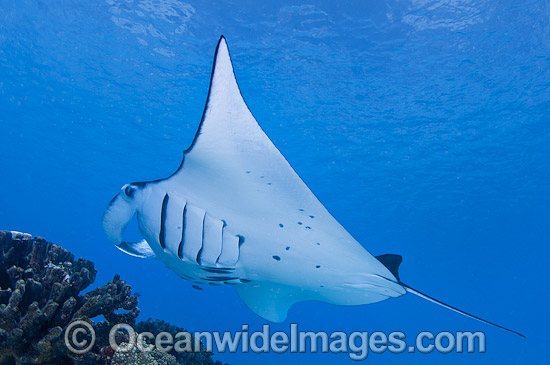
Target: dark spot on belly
(196,287)
(248,172)
(277,258)
(287,248)
(317,266)
(281,225)
(312,216)
(300,223)
(268,183)
(318,244)
(301,210)
(308,227)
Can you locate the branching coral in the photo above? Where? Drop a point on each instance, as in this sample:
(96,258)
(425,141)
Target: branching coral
(40,295)
(40,284)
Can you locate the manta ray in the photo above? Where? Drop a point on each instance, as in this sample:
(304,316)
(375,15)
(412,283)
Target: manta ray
(235,212)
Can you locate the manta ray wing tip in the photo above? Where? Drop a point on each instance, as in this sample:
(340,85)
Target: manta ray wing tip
(222,42)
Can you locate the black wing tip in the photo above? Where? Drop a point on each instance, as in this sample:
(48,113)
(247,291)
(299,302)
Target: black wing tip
(221,40)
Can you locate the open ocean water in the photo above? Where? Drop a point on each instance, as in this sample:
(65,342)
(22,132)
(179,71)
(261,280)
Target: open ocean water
(423,126)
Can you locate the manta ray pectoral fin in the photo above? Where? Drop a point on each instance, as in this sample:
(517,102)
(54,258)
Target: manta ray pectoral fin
(269,301)
(138,249)
(229,140)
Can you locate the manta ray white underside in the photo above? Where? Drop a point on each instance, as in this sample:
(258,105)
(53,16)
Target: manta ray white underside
(235,212)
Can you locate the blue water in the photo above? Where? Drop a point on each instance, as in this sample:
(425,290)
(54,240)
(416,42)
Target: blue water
(423,126)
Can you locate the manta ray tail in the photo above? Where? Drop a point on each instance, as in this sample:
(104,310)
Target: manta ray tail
(392,262)
(427,297)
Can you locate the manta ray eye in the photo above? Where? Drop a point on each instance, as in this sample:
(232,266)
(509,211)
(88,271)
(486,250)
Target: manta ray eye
(129,191)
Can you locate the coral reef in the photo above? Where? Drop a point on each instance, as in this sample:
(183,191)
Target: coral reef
(135,357)
(188,358)
(40,295)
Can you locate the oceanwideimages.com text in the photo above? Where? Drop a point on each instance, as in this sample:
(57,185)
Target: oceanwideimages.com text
(80,338)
